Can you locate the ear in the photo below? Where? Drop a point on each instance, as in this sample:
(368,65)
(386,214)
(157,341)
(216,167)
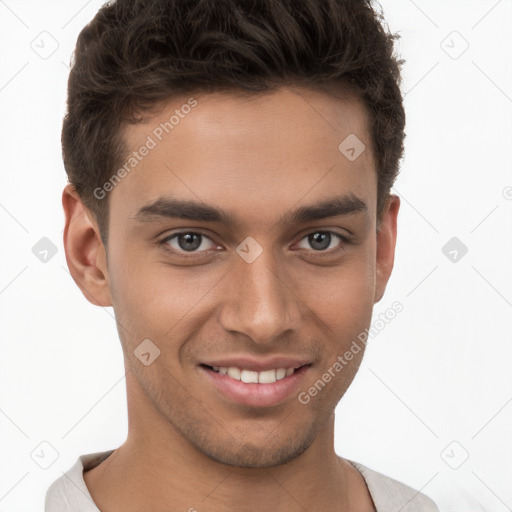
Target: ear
(386,241)
(85,252)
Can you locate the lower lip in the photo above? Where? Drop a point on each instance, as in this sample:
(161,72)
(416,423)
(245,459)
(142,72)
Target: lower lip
(256,395)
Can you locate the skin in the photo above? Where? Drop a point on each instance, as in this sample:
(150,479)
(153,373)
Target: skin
(257,157)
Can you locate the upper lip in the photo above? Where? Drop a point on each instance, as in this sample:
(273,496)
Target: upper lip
(258,364)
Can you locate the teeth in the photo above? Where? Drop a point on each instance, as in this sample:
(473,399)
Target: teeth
(267,377)
(234,373)
(249,376)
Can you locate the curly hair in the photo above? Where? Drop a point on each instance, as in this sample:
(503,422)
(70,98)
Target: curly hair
(136,54)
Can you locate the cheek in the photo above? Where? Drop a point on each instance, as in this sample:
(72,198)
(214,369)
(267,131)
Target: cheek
(134,292)
(152,300)
(156,301)
(342,297)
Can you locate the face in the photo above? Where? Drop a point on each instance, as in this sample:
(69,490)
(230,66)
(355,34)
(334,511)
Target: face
(243,244)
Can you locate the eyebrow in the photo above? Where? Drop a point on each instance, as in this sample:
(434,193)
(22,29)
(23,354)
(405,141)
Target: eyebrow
(170,207)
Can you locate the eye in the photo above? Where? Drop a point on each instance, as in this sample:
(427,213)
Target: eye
(321,241)
(187,242)
(192,244)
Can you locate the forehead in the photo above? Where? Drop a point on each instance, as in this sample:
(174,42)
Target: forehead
(264,152)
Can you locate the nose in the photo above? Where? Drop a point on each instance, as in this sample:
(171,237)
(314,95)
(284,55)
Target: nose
(259,301)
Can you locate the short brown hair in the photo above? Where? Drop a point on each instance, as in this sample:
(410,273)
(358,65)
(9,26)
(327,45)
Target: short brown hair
(136,54)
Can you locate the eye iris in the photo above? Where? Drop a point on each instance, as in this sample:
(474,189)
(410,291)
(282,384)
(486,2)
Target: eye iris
(324,239)
(189,241)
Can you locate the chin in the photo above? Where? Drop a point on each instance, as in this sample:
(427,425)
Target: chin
(266,453)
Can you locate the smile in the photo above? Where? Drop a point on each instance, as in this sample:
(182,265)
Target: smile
(265,388)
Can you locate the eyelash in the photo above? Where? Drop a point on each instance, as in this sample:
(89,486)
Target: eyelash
(194,254)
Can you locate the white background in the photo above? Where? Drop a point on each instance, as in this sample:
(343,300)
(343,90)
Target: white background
(435,386)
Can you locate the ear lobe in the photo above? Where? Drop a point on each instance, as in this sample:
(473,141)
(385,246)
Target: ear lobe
(386,242)
(85,252)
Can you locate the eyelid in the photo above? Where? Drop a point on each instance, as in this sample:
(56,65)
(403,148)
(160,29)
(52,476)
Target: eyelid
(343,238)
(164,243)
(195,231)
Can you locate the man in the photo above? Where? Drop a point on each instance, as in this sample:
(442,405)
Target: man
(230,165)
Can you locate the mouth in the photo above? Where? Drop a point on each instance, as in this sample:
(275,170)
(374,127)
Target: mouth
(249,376)
(247,386)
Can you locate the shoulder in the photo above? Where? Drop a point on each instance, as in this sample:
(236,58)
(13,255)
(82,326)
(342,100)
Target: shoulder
(69,493)
(389,494)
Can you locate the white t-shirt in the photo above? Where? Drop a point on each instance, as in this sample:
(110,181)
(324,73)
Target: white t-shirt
(70,494)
